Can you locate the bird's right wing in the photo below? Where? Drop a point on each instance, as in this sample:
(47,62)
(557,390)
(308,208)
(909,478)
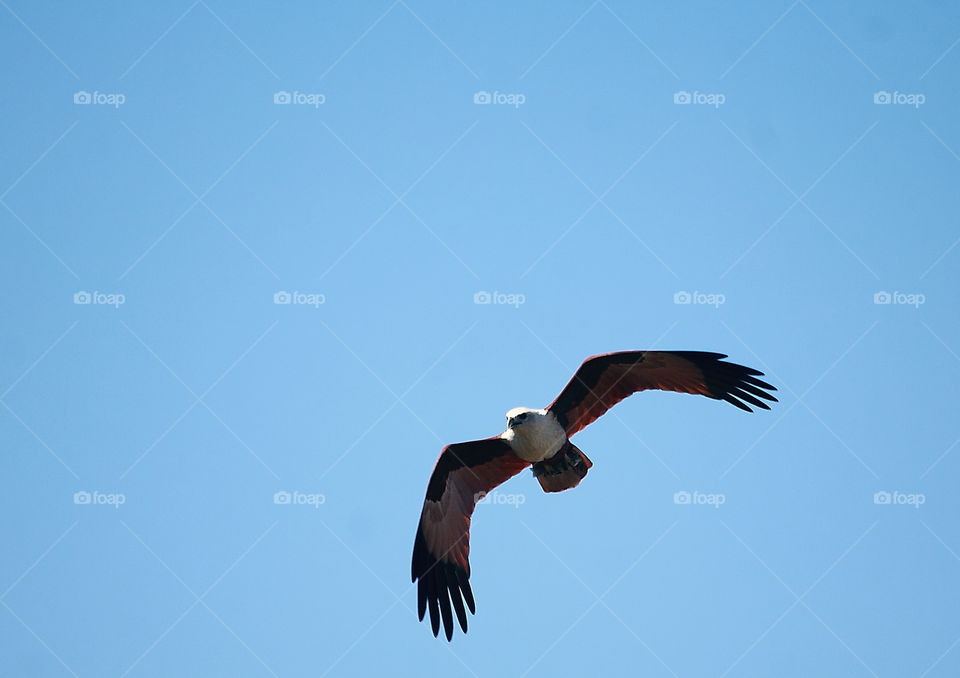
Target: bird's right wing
(463,474)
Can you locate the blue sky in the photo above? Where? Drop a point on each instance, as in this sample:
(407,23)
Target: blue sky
(774,181)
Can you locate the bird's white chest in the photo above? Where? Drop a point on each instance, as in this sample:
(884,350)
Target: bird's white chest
(536,440)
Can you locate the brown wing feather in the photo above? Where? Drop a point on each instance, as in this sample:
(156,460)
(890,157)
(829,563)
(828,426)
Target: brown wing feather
(441,550)
(604,380)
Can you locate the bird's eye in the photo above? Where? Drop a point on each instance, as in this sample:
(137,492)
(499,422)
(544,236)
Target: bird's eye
(522,416)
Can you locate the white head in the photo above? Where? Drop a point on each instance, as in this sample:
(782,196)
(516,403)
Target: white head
(519,416)
(533,434)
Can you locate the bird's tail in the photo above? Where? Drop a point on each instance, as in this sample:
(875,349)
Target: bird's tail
(563,470)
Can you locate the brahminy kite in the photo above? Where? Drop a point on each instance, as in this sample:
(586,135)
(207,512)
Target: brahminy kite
(465,472)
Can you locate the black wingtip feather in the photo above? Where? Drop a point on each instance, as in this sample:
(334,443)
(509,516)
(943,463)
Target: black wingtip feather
(760,393)
(737,384)
(759,382)
(746,397)
(466,590)
(443,588)
(733,401)
(434,613)
(453,585)
(445,613)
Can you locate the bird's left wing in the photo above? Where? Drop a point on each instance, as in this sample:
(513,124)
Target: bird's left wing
(464,472)
(604,380)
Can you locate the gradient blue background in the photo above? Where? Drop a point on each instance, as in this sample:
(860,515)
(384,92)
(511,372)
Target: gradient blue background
(398,199)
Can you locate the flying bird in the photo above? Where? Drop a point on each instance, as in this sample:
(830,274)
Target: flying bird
(540,439)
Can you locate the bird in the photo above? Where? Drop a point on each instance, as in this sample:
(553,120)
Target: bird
(540,439)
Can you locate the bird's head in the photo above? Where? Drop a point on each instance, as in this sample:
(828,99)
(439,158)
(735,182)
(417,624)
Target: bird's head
(518,416)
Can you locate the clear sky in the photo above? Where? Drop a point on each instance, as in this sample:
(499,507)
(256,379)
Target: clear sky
(172,173)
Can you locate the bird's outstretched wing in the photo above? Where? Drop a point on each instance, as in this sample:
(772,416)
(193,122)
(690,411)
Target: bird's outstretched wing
(464,472)
(604,380)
